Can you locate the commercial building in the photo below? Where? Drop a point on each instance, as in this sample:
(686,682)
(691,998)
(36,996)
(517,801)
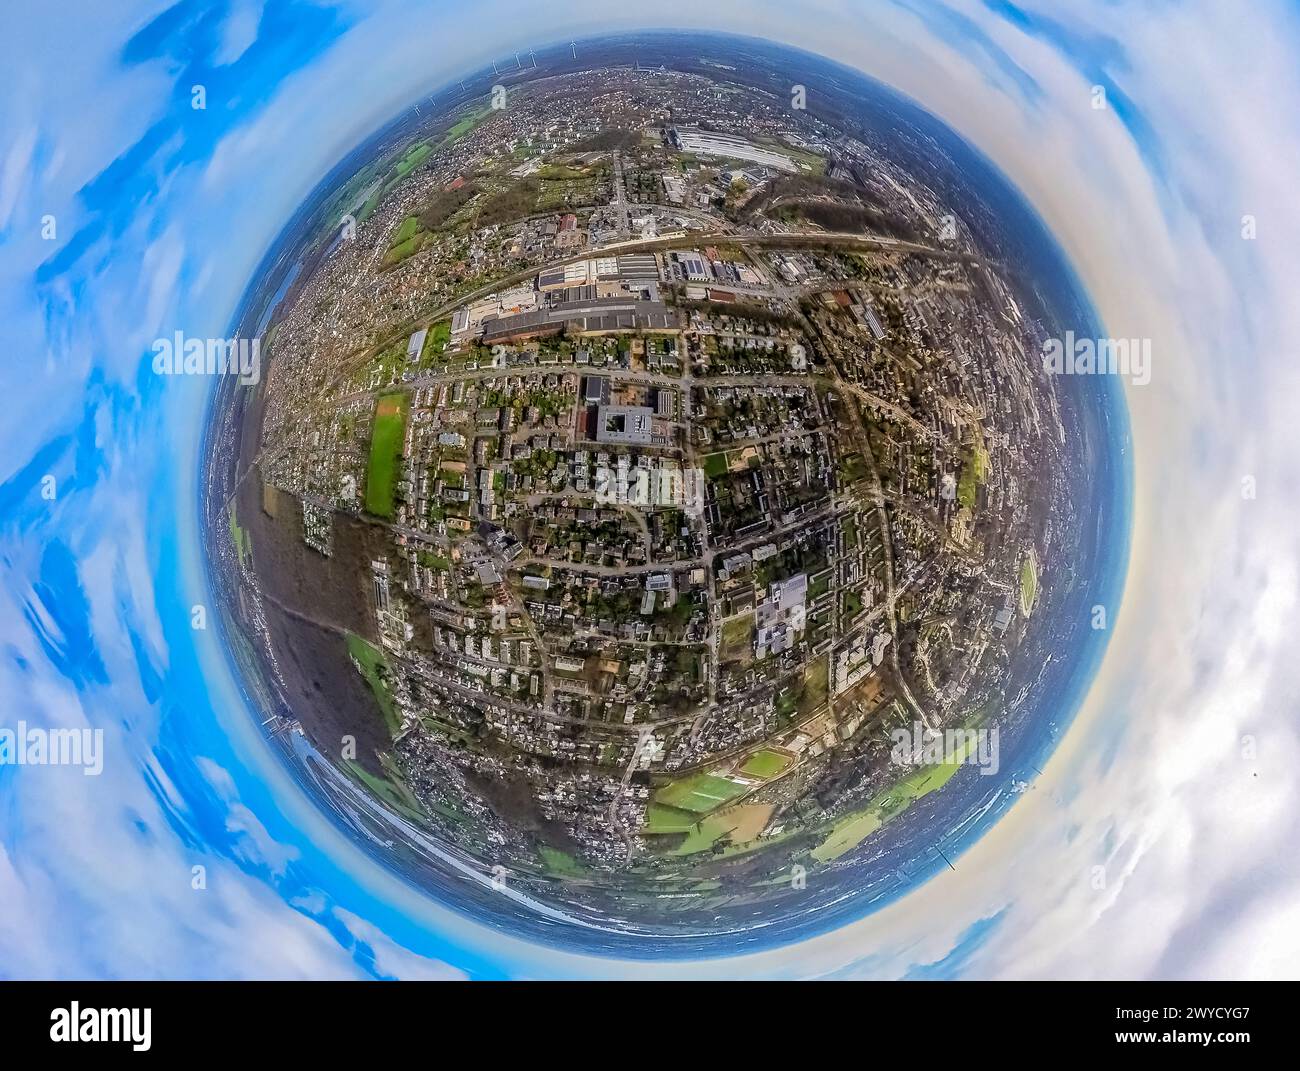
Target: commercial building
(623,423)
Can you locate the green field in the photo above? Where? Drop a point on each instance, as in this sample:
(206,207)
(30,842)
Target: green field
(1028,584)
(402,250)
(715,464)
(413,159)
(439,337)
(463,127)
(410,226)
(699,793)
(765,764)
(433,561)
(853,829)
(847,833)
(737,637)
(974,471)
(560,173)
(561,864)
(386,440)
(407,242)
(851,469)
(393,790)
(703,836)
(373,668)
(243,545)
(661,819)
(816,684)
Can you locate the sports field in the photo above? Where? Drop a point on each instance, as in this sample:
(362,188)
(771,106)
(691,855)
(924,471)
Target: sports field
(385,453)
(1028,584)
(765,764)
(699,793)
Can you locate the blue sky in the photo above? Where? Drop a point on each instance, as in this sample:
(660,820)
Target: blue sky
(1158,843)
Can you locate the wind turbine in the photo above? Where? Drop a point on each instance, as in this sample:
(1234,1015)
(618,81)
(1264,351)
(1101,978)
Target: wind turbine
(574,45)
(534,58)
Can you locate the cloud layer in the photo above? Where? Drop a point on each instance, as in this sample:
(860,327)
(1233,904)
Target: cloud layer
(1158,842)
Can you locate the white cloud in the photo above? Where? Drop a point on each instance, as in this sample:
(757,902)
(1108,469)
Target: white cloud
(1193,835)
(239,31)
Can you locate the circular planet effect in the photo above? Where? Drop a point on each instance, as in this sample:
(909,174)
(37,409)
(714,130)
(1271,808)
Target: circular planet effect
(1156,840)
(621,862)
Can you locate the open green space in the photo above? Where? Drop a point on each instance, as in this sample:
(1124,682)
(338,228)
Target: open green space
(439,337)
(392,790)
(238,536)
(854,828)
(816,684)
(974,471)
(559,863)
(715,464)
(433,561)
(662,819)
(374,668)
(398,253)
(765,764)
(851,469)
(463,126)
(703,836)
(1028,584)
(736,644)
(560,173)
(409,228)
(386,440)
(739,827)
(847,833)
(414,157)
(699,793)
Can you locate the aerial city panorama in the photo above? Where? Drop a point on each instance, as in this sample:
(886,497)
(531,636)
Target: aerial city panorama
(751,492)
(649,522)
